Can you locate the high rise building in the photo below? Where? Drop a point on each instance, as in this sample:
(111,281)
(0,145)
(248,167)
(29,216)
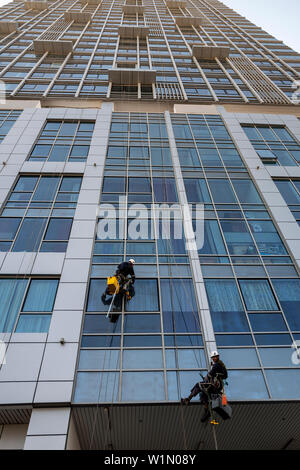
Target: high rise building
(123,125)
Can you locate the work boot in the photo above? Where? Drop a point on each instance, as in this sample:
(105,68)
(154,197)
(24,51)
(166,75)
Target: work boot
(205,416)
(185,401)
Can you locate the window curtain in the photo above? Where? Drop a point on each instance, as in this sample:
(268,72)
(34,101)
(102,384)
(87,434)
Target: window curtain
(225,304)
(41,295)
(33,324)
(146,296)
(180,312)
(258,295)
(11,294)
(213,242)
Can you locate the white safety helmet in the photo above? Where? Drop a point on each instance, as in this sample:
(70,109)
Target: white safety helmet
(214,354)
(131,261)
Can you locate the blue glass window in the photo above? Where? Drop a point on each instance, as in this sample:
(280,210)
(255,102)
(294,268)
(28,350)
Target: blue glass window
(238,238)
(246,192)
(196,190)
(143,386)
(180,312)
(11,294)
(221,191)
(141,302)
(41,295)
(258,295)
(226,306)
(164,190)
(30,235)
(288,292)
(213,242)
(267,238)
(284,384)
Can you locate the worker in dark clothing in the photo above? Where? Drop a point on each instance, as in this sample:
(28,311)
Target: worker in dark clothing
(124,270)
(211,385)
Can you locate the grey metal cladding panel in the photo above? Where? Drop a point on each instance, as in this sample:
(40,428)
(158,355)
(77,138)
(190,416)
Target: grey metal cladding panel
(254,426)
(14,416)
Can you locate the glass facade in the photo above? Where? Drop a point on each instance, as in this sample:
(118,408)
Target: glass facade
(154,349)
(274,145)
(62,141)
(38,213)
(290,191)
(26,304)
(7,120)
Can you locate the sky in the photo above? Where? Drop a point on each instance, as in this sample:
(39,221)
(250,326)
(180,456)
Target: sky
(280,18)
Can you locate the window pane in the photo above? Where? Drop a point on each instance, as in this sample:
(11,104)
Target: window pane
(284,383)
(288,292)
(58,229)
(221,191)
(33,324)
(141,302)
(11,294)
(243,357)
(94,387)
(196,190)
(41,295)
(143,386)
(258,295)
(164,190)
(246,385)
(213,242)
(142,359)
(8,228)
(238,238)
(225,304)
(59,153)
(142,324)
(26,183)
(267,322)
(246,192)
(180,312)
(30,235)
(70,183)
(46,189)
(99,359)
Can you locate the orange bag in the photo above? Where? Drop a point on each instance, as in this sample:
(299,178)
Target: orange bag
(224,400)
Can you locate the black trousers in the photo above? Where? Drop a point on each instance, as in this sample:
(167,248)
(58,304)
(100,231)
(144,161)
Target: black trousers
(204,389)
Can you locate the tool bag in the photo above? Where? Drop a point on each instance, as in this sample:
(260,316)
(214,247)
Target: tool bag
(112,285)
(223,410)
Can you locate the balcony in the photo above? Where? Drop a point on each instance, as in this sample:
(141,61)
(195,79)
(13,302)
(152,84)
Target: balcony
(132,32)
(91,2)
(52,47)
(126,76)
(7,27)
(36,5)
(176,3)
(211,52)
(77,17)
(132,9)
(187,21)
